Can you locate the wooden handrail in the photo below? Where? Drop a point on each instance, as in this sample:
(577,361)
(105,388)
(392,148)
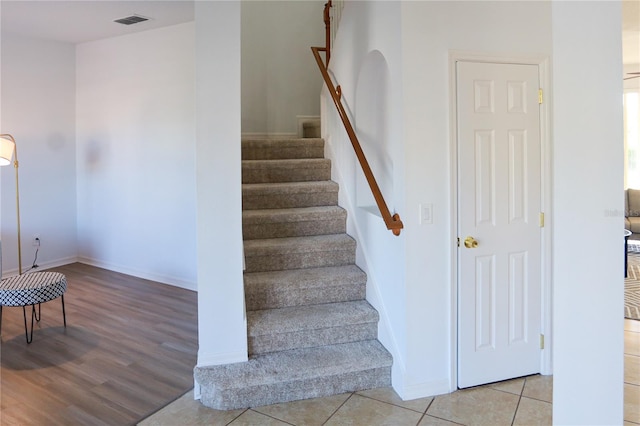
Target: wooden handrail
(393,222)
(327,31)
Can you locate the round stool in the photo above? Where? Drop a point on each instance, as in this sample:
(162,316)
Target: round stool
(31,289)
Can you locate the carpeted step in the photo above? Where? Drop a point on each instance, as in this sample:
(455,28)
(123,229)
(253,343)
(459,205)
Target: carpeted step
(277,254)
(282,329)
(288,195)
(298,287)
(298,170)
(296,374)
(267,149)
(279,223)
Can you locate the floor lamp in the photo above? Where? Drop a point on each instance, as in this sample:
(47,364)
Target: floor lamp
(9,150)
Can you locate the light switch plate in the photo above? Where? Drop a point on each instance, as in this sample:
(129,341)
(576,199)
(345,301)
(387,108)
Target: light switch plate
(426,214)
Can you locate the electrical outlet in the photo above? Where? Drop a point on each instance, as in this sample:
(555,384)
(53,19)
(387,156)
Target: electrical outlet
(36,240)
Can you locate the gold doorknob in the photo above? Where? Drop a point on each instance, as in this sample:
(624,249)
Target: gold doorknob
(470,242)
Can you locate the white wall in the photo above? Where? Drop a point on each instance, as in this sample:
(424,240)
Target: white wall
(367,49)
(38,85)
(413,274)
(222,331)
(587,266)
(136,154)
(431,31)
(280,79)
(421,315)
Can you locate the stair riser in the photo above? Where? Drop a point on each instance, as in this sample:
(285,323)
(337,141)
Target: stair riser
(255,396)
(293,229)
(312,338)
(281,261)
(266,153)
(311,130)
(256,201)
(258,300)
(283,172)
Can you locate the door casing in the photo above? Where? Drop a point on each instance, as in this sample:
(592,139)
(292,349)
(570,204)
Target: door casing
(542,62)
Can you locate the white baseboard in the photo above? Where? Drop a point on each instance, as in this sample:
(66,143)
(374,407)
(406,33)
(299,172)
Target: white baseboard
(423,390)
(211,358)
(41,266)
(164,279)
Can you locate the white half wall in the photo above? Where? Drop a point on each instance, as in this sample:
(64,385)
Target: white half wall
(136,154)
(222,330)
(38,86)
(280,78)
(588,182)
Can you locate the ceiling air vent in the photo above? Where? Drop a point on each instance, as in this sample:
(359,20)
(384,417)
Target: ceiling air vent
(129,20)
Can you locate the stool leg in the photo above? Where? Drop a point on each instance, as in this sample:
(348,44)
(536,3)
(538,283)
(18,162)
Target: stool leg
(33,314)
(0,320)
(39,314)
(64,315)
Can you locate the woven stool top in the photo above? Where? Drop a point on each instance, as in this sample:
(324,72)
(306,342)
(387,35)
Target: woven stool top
(29,289)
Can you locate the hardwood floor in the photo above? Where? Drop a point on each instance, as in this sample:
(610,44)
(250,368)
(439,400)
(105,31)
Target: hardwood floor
(128,349)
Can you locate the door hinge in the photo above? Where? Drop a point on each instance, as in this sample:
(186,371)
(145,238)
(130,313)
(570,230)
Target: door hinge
(458,241)
(542,341)
(540,98)
(541,220)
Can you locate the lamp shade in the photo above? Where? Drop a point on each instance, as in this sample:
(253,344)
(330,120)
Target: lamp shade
(7,147)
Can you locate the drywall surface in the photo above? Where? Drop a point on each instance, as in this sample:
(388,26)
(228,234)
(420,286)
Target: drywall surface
(280,79)
(38,87)
(136,170)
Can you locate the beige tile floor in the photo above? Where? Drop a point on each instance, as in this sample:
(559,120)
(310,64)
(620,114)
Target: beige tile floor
(524,401)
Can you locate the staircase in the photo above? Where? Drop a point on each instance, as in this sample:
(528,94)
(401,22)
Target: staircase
(311,332)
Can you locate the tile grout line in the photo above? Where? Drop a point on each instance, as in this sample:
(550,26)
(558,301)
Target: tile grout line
(237,417)
(391,403)
(337,409)
(515,413)
(436,417)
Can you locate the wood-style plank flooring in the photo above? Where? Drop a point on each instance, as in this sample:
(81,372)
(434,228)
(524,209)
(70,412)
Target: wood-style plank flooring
(128,349)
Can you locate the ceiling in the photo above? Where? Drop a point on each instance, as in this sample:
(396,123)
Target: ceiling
(74,21)
(81,21)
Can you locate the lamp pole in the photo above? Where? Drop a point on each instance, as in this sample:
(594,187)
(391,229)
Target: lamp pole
(15,166)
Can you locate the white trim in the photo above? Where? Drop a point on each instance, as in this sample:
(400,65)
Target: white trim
(197,389)
(41,265)
(221,358)
(269,135)
(164,279)
(419,390)
(542,62)
(546,367)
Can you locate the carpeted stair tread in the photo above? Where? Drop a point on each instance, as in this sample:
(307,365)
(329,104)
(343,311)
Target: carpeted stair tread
(293,170)
(301,318)
(289,194)
(292,222)
(277,149)
(276,254)
(299,287)
(310,331)
(273,330)
(295,374)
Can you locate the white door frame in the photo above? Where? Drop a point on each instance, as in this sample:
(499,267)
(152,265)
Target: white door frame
(546,362)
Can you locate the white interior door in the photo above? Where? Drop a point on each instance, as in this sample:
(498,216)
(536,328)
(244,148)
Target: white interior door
(499,198)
